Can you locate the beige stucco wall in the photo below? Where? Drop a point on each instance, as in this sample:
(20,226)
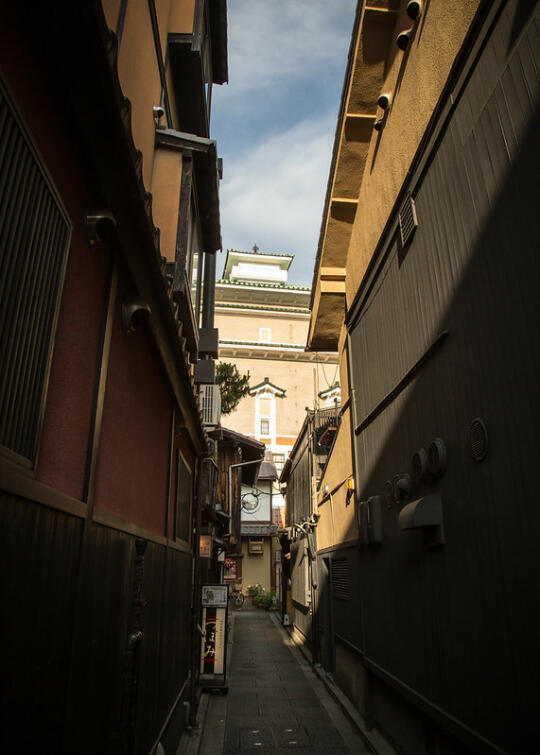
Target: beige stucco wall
(244,326)
(256,568)
(337,523)
(181,17)
(297,378)
(416,79)
(139,77)
(166,180)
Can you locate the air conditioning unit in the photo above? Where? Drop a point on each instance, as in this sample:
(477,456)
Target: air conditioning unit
(210,401)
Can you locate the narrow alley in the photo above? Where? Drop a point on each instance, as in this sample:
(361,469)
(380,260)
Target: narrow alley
(276,703)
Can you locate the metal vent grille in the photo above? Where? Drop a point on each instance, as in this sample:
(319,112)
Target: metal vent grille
(341,579)
(478,439)
(408,222)
(34,236)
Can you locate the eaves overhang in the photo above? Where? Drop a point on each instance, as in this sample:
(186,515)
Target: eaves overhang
(252,450)
(283,261)
(370,43)
(89,74)
(267,387)
(205,160)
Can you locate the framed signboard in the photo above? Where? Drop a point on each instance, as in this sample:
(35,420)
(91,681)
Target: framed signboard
(215,595)
(213,658)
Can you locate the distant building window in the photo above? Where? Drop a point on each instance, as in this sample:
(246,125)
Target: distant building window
(279,461)
(265,427)
(256,546)
(265,335)
(34,236)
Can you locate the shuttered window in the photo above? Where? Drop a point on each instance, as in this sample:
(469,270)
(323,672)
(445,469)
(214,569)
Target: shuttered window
(34,239)
(341,579)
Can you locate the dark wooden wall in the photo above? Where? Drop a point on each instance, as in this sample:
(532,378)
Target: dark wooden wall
(65,631)
(452,630)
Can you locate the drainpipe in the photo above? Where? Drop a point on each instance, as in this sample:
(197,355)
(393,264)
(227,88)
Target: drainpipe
(209,295)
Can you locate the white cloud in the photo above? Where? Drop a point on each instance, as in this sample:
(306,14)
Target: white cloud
(271,43)
(286,62)
(273,194)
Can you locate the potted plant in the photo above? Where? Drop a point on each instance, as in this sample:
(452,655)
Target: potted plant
(254,591)
(268,600)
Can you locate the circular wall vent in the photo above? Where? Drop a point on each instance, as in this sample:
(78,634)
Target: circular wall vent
(478,436)
(437,457)
(419,465)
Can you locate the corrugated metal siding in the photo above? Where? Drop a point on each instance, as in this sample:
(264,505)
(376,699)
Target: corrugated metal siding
(437,618)
(34,234)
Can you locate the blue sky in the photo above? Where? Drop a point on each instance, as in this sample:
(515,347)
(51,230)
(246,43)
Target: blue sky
(275,121)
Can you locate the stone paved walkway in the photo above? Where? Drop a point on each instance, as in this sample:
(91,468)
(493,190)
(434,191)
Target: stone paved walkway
(276,703)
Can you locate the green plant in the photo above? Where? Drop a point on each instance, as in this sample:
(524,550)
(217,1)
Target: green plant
(255,590)
(268,599)
(233,386)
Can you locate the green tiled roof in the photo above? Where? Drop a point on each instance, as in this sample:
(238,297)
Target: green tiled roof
(263,307)
(261,254)
(284,286)
(232,342)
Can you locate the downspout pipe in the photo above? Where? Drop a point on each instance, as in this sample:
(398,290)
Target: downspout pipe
(209,294)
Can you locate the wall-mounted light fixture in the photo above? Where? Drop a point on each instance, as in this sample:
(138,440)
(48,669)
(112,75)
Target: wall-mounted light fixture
(158,112)
(403,39)
(96,223)
(384,100)
(414,9)
(134,313)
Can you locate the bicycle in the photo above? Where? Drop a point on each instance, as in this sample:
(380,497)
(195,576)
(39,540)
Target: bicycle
(236,597)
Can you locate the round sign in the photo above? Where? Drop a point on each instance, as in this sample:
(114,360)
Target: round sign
(250,502)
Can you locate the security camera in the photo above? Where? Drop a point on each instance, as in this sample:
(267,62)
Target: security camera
(378,125)
(414,9)
(403,39)
(134,312)
(158,112)
(384,100)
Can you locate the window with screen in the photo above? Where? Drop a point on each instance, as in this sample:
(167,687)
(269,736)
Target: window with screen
(34,241)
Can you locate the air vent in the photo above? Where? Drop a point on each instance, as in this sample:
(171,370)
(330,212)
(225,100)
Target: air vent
(210,401)
(341,578)
(479,439)
(408,222)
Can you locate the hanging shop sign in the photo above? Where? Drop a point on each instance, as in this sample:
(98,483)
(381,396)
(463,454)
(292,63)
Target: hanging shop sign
(205,546)
(230,573)
(214,600)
